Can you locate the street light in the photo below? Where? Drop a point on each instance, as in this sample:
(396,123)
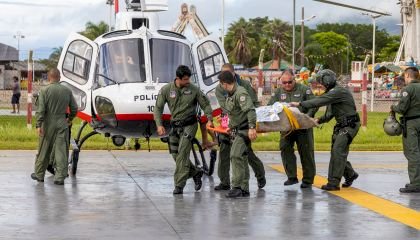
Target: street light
(110,3)
(223,23)
(302,38)
(18,36)
(372,88)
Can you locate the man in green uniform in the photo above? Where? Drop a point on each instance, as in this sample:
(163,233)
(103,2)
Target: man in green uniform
(340,105)
(290,91)
(242,123)
(409,107)
(182,98)
(223,168)
(52,126)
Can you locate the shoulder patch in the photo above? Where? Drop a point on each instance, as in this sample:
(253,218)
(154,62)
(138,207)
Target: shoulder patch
(283,96)
(405,94)
(172,94)
(308,91)
(242,98)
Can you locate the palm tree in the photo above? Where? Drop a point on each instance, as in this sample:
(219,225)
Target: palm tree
(239,44)
(278,38)
(92,31)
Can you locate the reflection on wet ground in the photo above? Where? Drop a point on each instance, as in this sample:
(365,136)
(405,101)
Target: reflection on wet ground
(128,195)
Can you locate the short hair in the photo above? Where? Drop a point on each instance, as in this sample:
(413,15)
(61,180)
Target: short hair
(226,77)
(54,74)
(412,72)
(183,71)
(229,66)
(15,78)
(288,71)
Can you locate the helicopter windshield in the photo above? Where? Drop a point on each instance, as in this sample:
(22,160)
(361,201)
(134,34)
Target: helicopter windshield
(121,61)
(166,56)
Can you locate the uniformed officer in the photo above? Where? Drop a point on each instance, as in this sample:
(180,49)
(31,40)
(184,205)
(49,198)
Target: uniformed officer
(242,122)
(53,127)
(340,105)
(182,98)
(409,107)
(290,91)
(223,168)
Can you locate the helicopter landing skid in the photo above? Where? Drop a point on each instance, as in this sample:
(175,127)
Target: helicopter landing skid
(76,145)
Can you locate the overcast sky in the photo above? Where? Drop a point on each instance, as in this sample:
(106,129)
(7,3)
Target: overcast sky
(46,23)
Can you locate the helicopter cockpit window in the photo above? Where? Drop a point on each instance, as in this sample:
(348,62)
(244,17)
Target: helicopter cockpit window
(211,61)
(166,56)
(121,61)
(77,61)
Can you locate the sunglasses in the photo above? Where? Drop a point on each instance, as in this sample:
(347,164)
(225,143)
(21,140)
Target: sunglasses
(288,82)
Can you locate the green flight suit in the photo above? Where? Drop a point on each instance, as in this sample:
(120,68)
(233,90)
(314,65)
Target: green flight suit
(223,168)
(409,107)
(241,112)
(304,138)
(182,103)
(340,105)
(53,102)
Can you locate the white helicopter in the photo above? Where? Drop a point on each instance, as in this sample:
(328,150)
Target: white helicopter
(116,78)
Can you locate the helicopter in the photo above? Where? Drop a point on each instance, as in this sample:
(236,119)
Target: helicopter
(116,78)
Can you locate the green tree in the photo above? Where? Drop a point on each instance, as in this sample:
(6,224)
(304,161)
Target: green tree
(92,31)
(53,59)
(329,49)
(360,36)
(388,53)
(278,38)
(239,42)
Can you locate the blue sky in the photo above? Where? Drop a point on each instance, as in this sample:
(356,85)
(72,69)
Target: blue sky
(48,25)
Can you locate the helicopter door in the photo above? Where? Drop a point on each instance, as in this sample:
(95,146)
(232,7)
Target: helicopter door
(77,71)
(209,57)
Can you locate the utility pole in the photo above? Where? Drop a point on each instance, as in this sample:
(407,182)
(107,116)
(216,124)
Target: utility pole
(293,42)
(302,39)
(29,112)
(223,23)
(110,3)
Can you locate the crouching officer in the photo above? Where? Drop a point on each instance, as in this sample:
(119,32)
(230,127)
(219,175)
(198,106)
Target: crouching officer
(340,105)
(242,123)
(182,98)
(223,168)
(291,91)
(409,107)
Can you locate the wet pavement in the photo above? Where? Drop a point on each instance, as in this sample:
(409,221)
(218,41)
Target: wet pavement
(128,195)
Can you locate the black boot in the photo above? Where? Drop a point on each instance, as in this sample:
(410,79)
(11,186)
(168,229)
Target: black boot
(197,180)
(349,181)
(330,187)
(410,189)
(222,187)
(261,182)
(51,169)
(305,185)
(34,177)
(291,181)
(234,193)
(178,190)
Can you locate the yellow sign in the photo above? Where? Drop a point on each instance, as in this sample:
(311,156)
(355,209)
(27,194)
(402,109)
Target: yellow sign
(417,3)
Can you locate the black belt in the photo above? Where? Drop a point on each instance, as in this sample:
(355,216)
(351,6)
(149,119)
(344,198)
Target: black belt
(184,122)
(348,121)
(409,118)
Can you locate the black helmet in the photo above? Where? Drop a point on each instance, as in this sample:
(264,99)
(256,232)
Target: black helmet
(326,78)
(391,126)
